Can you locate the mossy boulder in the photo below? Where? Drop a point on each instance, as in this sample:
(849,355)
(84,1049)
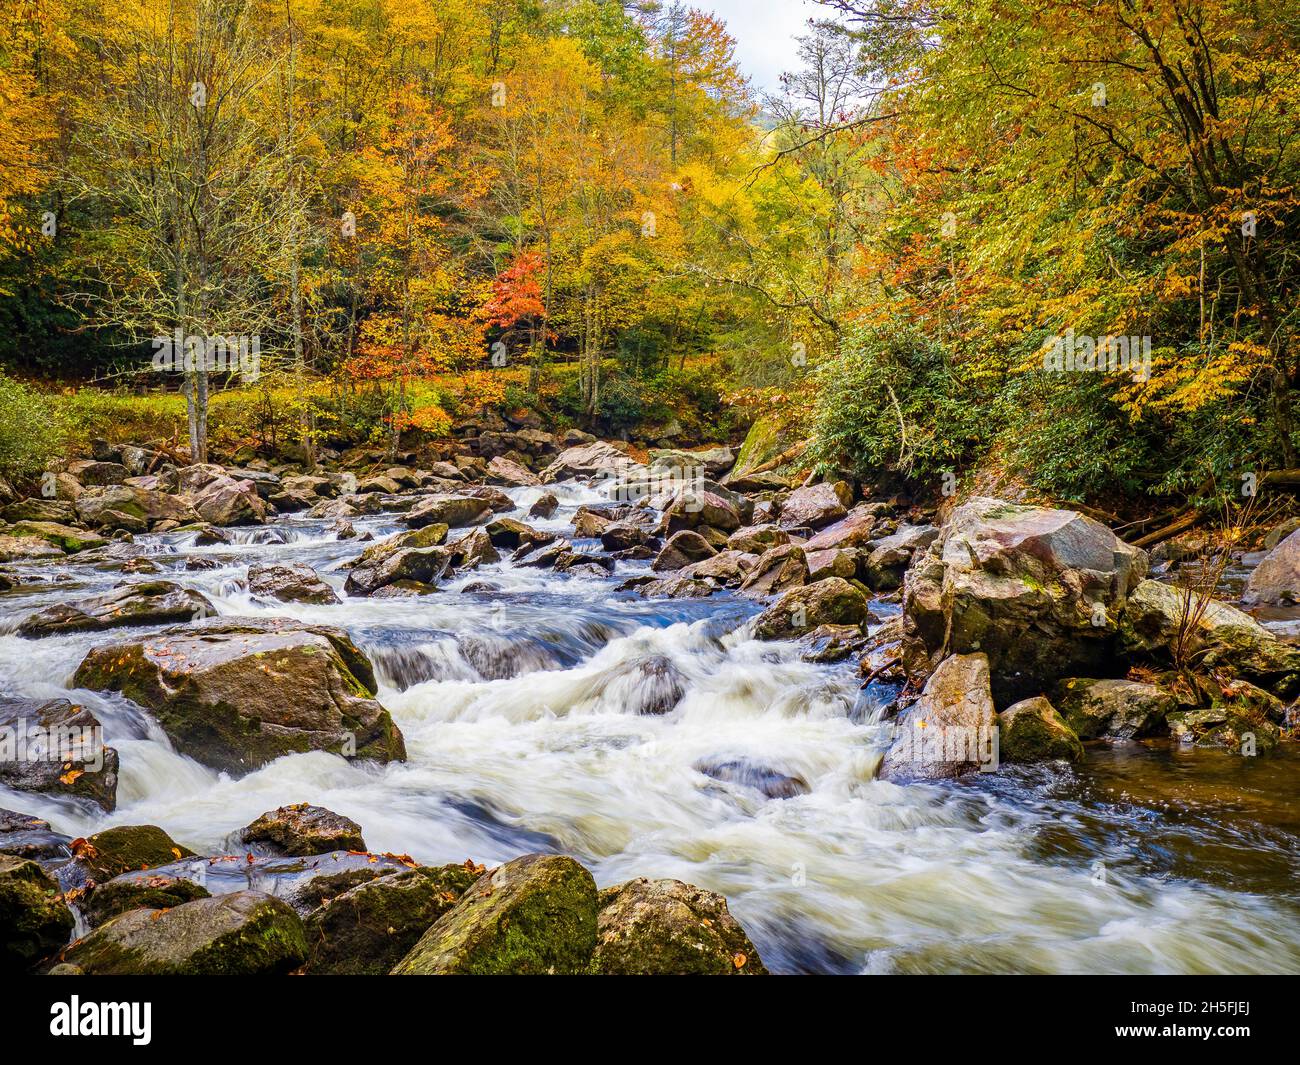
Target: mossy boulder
(668,928)
(245,933)
(34,920)
(532,916)
(302,829)
(368,929)
(1223,639)
(126,848)
(236,693)
(159,892)
(61,536)
(1112,709)
(830,601)
(1032,731)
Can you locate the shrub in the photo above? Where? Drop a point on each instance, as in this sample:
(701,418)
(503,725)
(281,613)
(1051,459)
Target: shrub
(890,400)
(32,429)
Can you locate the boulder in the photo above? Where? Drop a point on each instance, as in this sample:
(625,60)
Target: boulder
(535,915)
(833,601)
(776,571)
(289,582)
(38,508)
(1032,731)
(951,730)
(304,829)
(159,892)
(1276,580)
(1112,709)
(890,556)
(141,603)
(593,459)
(409,557)
(682,549)
(453,511)
(226,501)
(766,440)
(34,919)
(833,562)
(668,928)
(90,472)
(236,693)
(625,534)
(756,539)
(126,848)
(727,568)
(1218,638)
(27,549)
(132,507)
(368,929)
(502,471)
(64,537)
(712,462)
(694,509)
(815,506)
(509,533)
(474,549)
(55,747)
(544,507)
(244,933)
(1036,590)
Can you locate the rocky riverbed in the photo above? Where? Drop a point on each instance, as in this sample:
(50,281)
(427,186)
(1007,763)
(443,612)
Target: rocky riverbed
(663,715)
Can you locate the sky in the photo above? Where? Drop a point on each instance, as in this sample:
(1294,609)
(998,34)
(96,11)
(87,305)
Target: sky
(765,31)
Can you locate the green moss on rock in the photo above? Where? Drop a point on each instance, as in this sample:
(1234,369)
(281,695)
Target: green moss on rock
(34,920)
(535,915)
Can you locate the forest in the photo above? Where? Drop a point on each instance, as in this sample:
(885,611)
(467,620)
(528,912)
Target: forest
(421,209)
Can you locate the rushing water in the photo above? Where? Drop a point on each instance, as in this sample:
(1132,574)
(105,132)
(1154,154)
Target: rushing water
(520,711)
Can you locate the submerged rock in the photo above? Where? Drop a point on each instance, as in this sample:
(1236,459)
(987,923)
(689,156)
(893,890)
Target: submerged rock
(237,693)
(28,836)
(535,915)
(303,829)
(244,933)
(773,784)
(668,928)
(34,920)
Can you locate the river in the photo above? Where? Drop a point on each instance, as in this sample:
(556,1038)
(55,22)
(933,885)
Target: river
(520,712)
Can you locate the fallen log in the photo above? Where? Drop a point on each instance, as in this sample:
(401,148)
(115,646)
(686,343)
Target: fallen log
(1187,521)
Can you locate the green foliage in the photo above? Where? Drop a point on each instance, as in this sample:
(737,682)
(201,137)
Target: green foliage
(31,429)
(891,399)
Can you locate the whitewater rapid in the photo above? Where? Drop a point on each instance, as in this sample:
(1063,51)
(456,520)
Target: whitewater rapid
(520,709)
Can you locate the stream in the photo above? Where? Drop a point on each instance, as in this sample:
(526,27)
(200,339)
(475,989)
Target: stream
(520,712)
